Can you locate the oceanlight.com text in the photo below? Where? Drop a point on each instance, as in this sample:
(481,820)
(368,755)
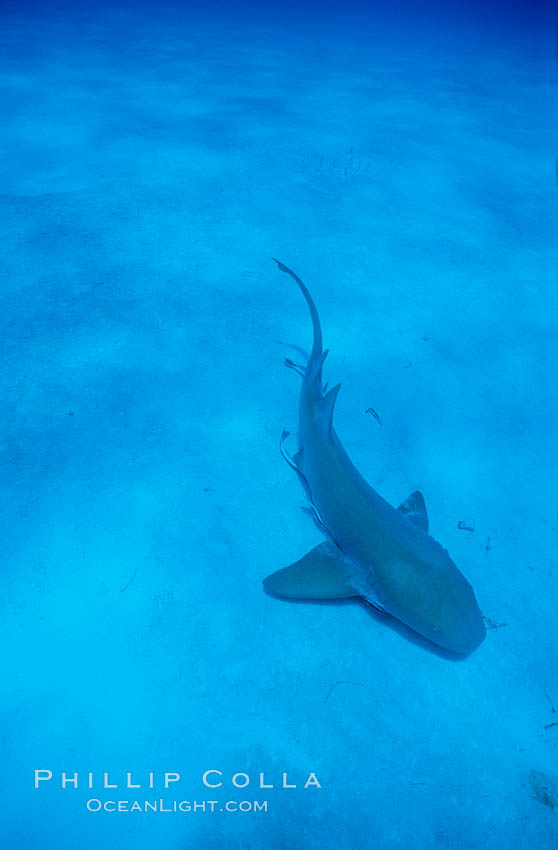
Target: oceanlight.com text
(176,806)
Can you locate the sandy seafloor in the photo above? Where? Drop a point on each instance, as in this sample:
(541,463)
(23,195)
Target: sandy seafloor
(153,162)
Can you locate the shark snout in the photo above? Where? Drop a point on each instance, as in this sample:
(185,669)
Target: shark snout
(464,641)
(462,628)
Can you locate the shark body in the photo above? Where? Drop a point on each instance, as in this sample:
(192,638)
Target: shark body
(374,551)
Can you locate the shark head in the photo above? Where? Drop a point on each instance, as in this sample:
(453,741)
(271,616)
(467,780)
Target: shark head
(431,596)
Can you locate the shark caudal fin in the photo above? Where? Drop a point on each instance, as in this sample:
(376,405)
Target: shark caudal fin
(317,355)
(320,574)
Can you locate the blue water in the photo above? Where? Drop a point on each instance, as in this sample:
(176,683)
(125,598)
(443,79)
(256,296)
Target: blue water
(154,160)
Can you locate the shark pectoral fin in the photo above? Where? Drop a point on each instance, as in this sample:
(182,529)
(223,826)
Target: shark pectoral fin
(414,510)
(318,575)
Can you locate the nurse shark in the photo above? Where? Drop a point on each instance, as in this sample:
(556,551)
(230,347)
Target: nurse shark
(374,551)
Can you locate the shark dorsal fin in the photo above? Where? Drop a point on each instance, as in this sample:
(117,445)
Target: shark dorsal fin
(414,509)
(317,365)
(326,407)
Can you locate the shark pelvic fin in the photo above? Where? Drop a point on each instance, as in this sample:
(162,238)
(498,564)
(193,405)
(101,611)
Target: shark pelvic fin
(414,509)
(318,575)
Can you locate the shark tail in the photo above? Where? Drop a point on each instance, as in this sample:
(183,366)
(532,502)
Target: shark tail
(316,352)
